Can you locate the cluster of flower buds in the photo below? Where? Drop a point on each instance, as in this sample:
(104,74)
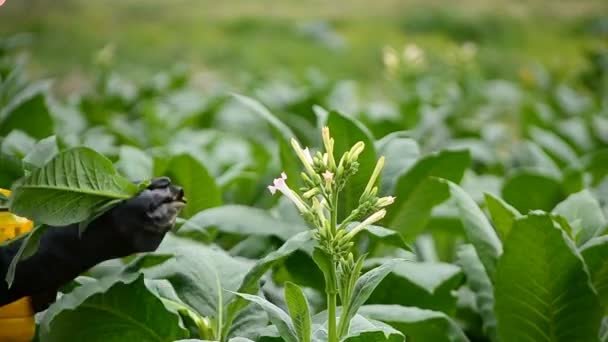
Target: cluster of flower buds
(324,178)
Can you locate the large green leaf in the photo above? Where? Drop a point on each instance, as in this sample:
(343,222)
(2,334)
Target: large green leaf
(364,287)
(542,290)
(28,111)
(44,150)
(299,311)
(111,310)
(289,161)
(241,220)
(427,285)
(401,153)
(595,253)
(415,323)
(417,193)
(199,186)
(135,164)
(199,273)
(362,329)
(477,228)
(70,188)
(503,215)
(557,148)
(249,283)
(278,317)
(480,284)
(528,190)
(346,132)
(584,214)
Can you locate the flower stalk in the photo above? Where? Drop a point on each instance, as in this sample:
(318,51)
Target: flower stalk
(323,180)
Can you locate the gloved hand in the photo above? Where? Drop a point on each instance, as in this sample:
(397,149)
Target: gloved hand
(136,225)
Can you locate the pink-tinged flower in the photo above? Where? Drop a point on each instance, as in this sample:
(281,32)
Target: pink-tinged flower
(2,2)
(328,176)
(280,185)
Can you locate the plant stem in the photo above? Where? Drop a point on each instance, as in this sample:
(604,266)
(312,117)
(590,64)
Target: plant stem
(332,286)
(331,305)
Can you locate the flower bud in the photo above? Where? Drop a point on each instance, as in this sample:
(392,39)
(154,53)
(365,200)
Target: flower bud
(385,201)
(375,217)
(355,151)
(374,176)
(304,156)
(329,147)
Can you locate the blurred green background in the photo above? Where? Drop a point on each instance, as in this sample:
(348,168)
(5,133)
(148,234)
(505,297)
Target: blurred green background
(236,39)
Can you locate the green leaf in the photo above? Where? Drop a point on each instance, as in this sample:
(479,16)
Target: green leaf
(415,323)
(480,284)
(45,150)
(584,214)
(135,164)
(346,132)
(111,310)
(595,253)
(250,285)
(503,215)
(400,153)
(477,228)
(387,236)
(199,186)
(241,220)
(362,329)
(364,287)
(299,311)
(17,144)
(417,193)
(557,148)
(428,285)
(198,273)
(367,330)
(542,291)
(528,190)
(69,188)
(278,317)
(27,249)
(28,111)
(289,161)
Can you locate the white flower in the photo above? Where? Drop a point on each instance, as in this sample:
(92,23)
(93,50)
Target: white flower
(413,54)
(328,141)
(304,156)
(385,201)
(375,217)
(280,185)
(390,58)
(329,178)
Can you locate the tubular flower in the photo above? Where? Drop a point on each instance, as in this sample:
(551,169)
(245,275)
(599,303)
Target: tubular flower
(375,217)
(328,141)
(329,178)
(280,185)
(356,150)
(385,201)
(375,174)
(304,156)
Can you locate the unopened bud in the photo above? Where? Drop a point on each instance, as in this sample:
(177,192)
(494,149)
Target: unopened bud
(304,156)
(355,151)
(310,193)
(385,201)
(374,176)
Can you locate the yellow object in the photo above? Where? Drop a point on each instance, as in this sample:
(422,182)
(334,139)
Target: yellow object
(17,318)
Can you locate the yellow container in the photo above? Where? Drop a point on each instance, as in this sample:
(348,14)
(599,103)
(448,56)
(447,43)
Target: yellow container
(17,318)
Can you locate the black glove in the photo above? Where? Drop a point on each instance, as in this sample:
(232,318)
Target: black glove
(135,225)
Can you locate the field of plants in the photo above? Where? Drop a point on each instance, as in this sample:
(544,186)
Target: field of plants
(460,205)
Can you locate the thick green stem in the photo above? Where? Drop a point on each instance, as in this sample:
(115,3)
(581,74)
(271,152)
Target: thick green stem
(331,287)
(331,305)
